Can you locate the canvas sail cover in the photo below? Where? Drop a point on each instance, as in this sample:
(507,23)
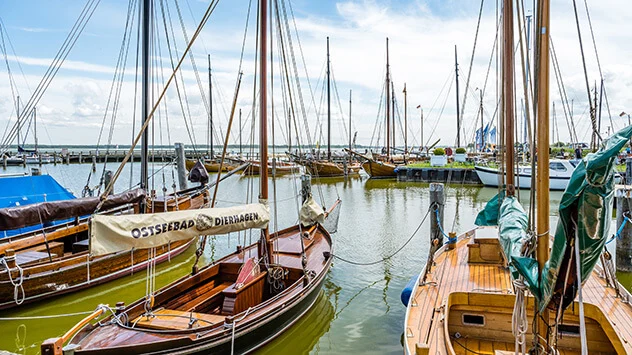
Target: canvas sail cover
(585,211)
(311,213)
(111,234)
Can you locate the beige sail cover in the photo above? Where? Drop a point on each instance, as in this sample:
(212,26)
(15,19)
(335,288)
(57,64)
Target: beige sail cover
(110,234)
(311,213)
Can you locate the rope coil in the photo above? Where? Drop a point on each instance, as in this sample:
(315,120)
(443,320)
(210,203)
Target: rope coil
(17,284)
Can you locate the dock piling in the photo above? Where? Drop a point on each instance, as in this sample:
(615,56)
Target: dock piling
(180,163)
(437,201)
(628,171)
(623,197)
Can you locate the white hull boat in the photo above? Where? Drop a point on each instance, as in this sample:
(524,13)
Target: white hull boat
(560,172)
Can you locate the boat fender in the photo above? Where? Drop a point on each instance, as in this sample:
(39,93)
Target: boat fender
(408,290)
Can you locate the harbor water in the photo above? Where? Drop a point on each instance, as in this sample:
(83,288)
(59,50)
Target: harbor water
(359,308)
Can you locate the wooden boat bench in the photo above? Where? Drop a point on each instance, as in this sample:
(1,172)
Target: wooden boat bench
(205,300)
(80,246)
(484,248)
(32,257)
(55,248)
(249,295)
(171,319)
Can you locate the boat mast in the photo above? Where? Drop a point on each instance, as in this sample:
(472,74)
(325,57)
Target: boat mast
(289,129)
(405,120)
(388,105)
(266,250)
(482,129)
(144,177)
(542,169)
(240,128)
(458,111)
(393,114)
(328,106)
(210,100)
(508,97)
(350,126)
(35,127)
(18,114)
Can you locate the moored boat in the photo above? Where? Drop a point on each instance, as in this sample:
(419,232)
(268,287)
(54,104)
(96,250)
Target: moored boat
(560,172)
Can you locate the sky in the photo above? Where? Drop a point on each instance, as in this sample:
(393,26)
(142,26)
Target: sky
(422,38)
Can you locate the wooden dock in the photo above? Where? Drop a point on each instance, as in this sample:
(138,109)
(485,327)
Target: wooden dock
(437,174)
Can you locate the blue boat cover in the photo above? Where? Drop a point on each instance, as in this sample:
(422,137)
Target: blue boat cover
(26,190)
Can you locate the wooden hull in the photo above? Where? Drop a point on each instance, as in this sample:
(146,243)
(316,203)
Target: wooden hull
(328,169)
(466,281)
(280,169)
(256,325)
(210,167)
(378,169)
(63,266)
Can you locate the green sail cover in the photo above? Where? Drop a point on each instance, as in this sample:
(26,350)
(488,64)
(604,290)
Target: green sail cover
(585,209)
(512,227)
(489,215)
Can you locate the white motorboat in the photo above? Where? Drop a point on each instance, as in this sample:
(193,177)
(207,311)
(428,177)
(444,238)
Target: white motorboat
(560,172)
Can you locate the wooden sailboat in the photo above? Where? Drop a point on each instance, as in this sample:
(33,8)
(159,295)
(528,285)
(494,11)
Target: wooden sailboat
(54,260)
(383,166)
(227,306)
(210,163)
(473,296)
(328,167)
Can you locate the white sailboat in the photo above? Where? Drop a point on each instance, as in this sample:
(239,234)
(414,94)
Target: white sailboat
(560,172)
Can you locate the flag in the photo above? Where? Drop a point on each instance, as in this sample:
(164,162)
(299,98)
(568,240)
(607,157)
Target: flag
(492,136)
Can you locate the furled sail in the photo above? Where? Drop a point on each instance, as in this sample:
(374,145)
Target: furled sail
(22,216)
(110,234)
(311,212)
(585,213)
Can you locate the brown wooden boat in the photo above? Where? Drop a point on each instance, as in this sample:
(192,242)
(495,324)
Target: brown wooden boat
(328,169)
(463,304)
(378,169)
(55,261)
(197,313)
(211,167)
(280,168)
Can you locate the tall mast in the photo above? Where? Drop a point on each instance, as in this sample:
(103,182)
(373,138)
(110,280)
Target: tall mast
(482,128)
(508,97)
(542,169)
(405,120)
(144,177)
(263,121)
(289,129)
(458,111)
(35,127)
(328,106)
(240,128)
(18,114)
(393,114)
(350,124)
(388,105)
(210,100)
(421,121)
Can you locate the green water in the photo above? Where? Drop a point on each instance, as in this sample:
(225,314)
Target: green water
(359,309)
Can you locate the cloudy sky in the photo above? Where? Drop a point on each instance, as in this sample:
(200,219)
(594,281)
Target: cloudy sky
(422,36)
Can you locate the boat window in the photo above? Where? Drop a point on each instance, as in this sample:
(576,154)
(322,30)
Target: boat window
(473,319)
(557,166)
(567,329)
(527,170)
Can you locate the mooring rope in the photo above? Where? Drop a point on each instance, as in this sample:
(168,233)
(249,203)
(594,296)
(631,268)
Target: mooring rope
(392,255)
(17,284)
(46,317)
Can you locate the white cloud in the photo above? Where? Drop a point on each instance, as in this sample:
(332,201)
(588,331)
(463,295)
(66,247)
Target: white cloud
(421,54)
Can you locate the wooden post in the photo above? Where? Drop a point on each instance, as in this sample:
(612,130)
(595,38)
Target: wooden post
(180,161)
(80,157)
(94,164)
(437,199)
(107,179)
(628,171)
(306,186)
(624,240)
(4,161)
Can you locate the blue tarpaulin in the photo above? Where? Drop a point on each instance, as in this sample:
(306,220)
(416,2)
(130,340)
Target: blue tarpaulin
(26,190)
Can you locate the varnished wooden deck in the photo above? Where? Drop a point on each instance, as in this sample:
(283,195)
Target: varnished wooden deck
(451,273)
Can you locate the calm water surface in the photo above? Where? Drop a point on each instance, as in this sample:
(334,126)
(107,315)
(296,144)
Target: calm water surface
(358,310)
